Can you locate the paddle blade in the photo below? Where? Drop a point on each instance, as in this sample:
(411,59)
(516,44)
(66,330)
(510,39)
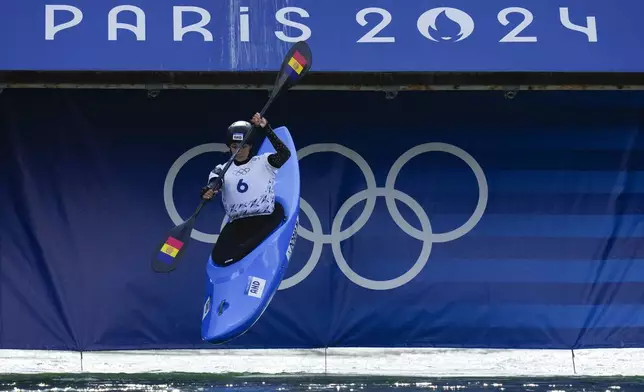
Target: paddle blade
(170,251)
(295,66)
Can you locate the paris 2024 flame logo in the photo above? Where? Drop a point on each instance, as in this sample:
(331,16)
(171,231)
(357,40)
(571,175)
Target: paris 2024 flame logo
(443,21)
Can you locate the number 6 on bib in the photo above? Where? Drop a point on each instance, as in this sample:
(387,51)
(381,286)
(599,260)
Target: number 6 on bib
(242,186)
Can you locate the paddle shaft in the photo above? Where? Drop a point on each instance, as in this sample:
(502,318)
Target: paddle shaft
(277,88)
(182,231)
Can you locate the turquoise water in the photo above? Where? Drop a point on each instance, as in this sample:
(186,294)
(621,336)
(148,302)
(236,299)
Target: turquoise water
(239,383)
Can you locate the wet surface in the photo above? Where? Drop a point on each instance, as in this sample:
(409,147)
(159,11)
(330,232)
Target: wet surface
(258,383)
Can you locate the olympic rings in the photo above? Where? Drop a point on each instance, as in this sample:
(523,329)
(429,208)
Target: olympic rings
(448,148)
(392,283)
(371,186)
(370,194)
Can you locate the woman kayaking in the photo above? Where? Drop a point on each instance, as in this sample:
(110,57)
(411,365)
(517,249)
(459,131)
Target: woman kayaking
(248,192)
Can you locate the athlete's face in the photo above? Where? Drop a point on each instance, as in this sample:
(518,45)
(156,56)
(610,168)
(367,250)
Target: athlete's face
(242,155)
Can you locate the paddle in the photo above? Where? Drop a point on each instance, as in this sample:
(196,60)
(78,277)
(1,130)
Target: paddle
(170,251)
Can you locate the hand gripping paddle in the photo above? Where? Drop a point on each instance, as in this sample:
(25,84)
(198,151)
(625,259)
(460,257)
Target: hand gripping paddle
(170,251)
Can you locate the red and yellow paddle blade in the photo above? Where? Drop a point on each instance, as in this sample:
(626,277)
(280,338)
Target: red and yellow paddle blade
(296,64)
(171,250)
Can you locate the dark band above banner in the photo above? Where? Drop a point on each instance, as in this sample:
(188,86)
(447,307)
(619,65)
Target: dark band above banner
(349,36)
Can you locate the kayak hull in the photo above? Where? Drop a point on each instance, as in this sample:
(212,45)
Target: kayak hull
(237,295)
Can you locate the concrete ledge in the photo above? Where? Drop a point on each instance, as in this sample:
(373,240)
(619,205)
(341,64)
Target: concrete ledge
(410,362)
(429,362)
(36,361)
(206,361)
(610,362)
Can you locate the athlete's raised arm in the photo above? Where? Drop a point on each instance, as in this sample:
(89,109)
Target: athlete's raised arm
(282,153)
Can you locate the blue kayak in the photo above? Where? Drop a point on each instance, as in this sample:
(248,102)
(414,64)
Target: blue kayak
(238,294)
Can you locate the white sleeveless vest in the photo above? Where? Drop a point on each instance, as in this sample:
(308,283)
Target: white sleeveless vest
(248,189)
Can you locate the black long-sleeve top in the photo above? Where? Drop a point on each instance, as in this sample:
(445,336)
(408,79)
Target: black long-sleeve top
(281,154)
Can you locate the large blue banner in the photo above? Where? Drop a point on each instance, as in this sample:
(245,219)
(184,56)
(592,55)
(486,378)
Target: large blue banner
(363,35)
(433,219)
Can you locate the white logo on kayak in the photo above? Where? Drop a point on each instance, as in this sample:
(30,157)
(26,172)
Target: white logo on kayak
(255,287)
(206,308)
(291,244)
